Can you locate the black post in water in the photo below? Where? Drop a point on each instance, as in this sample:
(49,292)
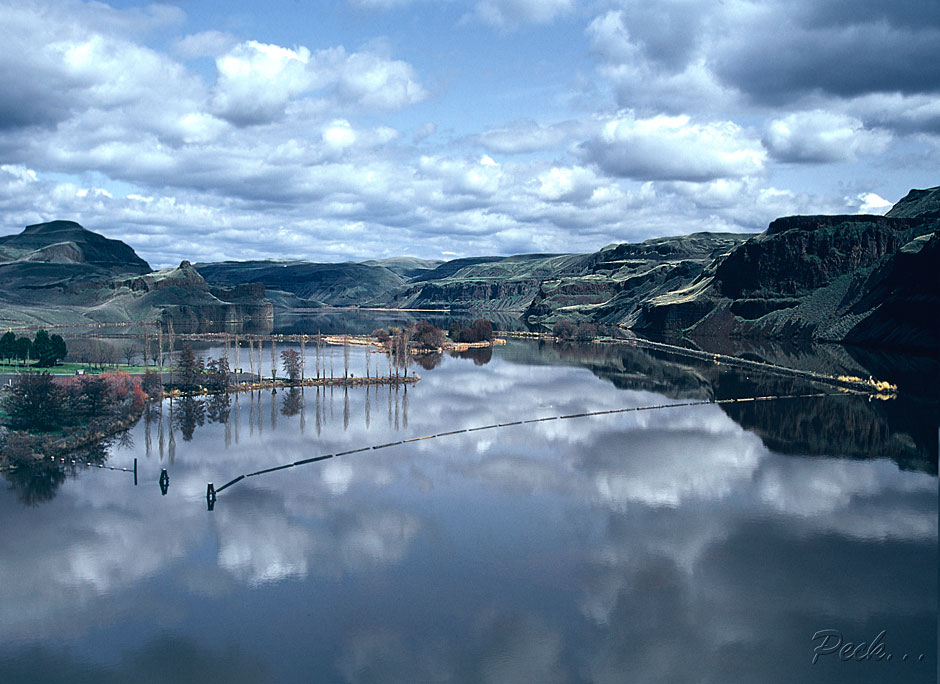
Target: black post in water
(210,496)
(135,472)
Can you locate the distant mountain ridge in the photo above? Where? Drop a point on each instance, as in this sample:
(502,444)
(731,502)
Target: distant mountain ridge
(61,273)
(859,279)
(67,242)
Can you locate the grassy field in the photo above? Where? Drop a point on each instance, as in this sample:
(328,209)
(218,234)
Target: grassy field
(71,368)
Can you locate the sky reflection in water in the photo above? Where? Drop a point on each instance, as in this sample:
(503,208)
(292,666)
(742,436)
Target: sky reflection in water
(659,546)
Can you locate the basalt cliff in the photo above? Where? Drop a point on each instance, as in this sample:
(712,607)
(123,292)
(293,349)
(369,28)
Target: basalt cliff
(867,280)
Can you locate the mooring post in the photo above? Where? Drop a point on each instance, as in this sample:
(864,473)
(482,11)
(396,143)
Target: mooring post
(210,496)
(135,472)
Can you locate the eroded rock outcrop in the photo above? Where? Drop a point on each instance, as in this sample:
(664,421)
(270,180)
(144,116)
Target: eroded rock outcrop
(853,279)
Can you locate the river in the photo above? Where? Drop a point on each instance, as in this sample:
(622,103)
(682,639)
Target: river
(699,543)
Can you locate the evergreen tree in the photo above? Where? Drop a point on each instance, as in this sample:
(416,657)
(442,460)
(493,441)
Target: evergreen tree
(59,348)
(42,349)
(189,371)
(8,345)
(24,348)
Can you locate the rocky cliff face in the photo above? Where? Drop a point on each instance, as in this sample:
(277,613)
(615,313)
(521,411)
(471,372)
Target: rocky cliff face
(479,295)
(613,283)
(855,279)
(182,296)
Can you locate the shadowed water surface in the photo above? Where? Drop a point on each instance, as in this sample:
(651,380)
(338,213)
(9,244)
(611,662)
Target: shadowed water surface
(689,544)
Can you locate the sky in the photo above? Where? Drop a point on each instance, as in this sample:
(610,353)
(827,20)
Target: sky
(357,129)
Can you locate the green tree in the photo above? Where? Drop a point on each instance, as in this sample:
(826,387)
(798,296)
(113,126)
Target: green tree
(189,371)
(94,395)
(8,345)
(59,348)
(24,348)
(42,350)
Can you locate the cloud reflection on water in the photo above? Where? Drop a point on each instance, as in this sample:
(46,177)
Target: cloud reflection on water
(576,549)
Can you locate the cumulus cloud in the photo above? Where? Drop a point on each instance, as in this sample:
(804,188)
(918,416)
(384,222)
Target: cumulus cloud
(479,178)
(872,203)
(567,183)
(820,136)
(59,64)
(782,56)
(680,56)
(210,43)
(285,146)
(525,136)
(257,80)
(673,148)
(375,81)
(652,68)
(903,113)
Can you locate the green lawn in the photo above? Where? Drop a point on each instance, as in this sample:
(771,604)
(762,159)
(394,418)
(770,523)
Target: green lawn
(70,368)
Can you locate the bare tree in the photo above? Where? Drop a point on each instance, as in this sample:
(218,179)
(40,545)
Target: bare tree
(129,353)
(170,336)
(317,354)
(160,348)
(273,360)
(345,357)
(146,345)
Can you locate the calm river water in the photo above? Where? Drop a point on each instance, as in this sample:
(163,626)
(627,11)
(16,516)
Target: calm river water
(689,544)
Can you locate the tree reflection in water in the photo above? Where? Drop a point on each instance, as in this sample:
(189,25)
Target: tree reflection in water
(479,355)
(190,414)
(428,361)
(218,408)
(36,480)
(290,402)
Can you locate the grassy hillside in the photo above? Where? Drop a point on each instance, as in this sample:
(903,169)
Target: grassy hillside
(339,284)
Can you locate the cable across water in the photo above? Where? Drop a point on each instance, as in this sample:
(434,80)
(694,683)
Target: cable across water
(211,492)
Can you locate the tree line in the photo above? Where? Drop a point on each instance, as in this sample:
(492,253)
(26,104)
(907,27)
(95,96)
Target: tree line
(39,402)
(44,348)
